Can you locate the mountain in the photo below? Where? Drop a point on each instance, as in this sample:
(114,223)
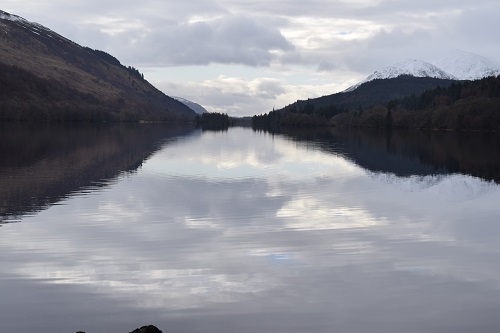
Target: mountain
(410,77)
(45,76)
(463,106)
(466,66)
(460,91)
(416,68)
(378,91)
(407,78)
(453,65)
(192,105)
(319,111)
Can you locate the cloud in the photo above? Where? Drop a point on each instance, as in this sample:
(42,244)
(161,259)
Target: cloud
(242,97)
(232,39)
(232,95)
(477,29)
(326,34)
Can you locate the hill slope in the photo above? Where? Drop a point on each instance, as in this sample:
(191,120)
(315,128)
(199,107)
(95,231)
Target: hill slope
(192,105)
(463,106)
(378,91)
(407,78)
(50,77)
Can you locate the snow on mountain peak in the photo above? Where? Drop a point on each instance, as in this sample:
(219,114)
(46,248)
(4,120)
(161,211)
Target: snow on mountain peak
(11,17)
(467,66)
(417,68)
(453,65)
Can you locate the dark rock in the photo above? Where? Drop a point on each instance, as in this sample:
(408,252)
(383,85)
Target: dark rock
(147,329)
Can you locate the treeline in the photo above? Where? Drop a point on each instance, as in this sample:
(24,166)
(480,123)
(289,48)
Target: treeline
(297,115)
(468,105)
(213,121)
(114,61)
(318,111)
(104,56)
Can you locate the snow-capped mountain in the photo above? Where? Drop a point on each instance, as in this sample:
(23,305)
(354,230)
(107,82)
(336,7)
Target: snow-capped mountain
(416,68)
(192,105)
(11,17)
(467,66)
(455,65)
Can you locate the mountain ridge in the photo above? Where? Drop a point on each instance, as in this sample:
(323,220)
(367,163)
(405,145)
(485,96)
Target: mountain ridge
(192,105)
(407,78)
(112,91)
(377,91)
(453,65)
(412,67)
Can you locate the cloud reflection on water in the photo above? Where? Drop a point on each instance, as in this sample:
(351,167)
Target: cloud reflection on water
(245,223)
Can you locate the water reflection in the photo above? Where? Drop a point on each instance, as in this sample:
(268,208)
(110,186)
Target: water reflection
(44,164)
(240,231)
(407,153)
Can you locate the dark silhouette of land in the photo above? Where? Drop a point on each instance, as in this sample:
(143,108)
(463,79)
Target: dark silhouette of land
(45,76)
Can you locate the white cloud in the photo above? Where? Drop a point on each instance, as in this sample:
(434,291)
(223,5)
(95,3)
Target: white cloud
(231,95)
(314,214)
(246,97)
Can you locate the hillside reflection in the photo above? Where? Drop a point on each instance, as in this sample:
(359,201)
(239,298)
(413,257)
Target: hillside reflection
(406,153)
(243,231)
(41,165)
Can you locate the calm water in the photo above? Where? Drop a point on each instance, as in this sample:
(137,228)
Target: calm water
(105,229)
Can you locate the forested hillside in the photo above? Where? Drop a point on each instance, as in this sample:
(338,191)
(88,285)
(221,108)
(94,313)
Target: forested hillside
(318,111)
(468,105)
(460,105)
(45,76)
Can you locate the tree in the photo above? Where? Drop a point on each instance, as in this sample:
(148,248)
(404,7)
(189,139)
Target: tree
(388,120)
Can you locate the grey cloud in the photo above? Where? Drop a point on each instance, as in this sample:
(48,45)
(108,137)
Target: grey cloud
(295,8)
(57,10)
(235,97)
(374,10)
(397,38)
(166,38)
(228,40)
(478,26)
(270,89)
(326,66)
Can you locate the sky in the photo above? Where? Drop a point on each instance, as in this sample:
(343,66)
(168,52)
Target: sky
(246,57)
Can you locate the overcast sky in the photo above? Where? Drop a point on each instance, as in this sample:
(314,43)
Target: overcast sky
(244,57)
